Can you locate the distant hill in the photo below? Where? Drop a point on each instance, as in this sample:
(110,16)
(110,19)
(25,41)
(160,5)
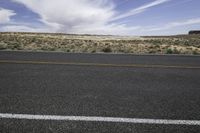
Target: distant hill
(194,32)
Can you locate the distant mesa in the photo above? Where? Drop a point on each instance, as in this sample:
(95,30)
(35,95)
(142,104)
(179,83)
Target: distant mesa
(194,32)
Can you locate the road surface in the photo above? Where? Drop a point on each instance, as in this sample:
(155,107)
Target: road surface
(99,93)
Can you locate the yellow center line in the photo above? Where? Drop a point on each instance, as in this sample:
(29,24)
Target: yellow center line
(97,64)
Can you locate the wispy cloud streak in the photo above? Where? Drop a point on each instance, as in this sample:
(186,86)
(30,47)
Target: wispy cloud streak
(140,9)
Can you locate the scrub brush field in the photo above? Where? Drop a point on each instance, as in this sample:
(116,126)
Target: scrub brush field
(180,44)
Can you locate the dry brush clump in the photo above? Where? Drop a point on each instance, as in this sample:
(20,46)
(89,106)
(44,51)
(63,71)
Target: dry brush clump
(185,44)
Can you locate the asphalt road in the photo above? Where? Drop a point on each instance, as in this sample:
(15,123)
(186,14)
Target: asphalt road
(135,91)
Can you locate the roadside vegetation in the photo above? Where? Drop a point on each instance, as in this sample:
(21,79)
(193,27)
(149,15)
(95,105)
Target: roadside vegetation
(184,44)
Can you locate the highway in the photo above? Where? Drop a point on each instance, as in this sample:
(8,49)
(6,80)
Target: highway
(99,93)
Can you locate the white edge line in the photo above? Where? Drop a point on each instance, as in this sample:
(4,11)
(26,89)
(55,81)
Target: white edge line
(99,119)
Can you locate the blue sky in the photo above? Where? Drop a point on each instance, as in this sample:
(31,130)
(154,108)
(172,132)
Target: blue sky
(117,17)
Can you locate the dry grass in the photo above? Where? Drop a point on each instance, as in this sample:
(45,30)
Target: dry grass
(184,44)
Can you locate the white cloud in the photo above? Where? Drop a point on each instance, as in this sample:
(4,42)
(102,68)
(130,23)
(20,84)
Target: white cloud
(5,15)
(65,15)
(83,16)
(140,9)
(88,17)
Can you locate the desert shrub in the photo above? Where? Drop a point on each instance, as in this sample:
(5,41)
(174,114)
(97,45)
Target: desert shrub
(17,46)
(3,45)
(195,52)
(169,51)
(175,51)
(154,41)
(33,39)
(96,44)
(14,45)
(176,42)
(52,48)
(186,42)
(107,43)
(172,51)
(48,48)
(93,51)
(152,51)
(66,50)
(121,50)
(107,50)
